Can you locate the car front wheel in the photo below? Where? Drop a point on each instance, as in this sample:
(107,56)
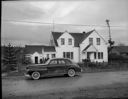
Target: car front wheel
(35,75)
(71,72)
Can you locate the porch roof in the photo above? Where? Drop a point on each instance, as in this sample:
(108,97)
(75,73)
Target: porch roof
(90,48)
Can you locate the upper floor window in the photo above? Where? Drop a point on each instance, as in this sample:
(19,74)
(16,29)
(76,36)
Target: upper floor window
(98,41)
(62,41)
(90,40)
(69,41)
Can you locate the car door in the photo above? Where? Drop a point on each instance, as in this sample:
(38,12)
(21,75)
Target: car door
(52,67)
(61,67)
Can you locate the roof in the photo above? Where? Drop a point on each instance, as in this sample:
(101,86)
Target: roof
(30,49)
(49,49)
(121,49)
(86,47)
(79,37)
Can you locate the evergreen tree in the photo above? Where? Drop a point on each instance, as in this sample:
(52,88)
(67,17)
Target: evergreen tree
(10,58)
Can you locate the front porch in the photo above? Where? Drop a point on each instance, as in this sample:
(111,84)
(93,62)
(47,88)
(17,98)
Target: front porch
(92,54)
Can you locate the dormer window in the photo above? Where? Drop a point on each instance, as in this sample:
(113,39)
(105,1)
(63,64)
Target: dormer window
(69,41)
(62,41)
(91,41)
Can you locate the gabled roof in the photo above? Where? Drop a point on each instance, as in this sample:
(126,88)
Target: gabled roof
(86,47)
(79,37)
(30,49)
(89,45)
(121,49)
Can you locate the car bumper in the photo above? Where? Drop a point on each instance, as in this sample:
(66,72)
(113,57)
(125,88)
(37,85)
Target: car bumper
(27,75)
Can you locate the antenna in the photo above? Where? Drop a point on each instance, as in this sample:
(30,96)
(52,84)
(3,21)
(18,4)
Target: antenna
(110,39)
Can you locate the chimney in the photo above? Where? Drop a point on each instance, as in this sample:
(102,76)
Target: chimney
(84,32)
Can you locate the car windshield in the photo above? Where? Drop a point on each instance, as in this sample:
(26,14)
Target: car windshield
(47,61)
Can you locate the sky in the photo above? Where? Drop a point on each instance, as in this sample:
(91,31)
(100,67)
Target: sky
(24,22)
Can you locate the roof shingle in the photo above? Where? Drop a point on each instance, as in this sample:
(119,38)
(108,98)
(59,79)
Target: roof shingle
(79,37)
(30,49)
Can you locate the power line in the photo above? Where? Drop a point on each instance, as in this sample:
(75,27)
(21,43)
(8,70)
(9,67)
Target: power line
(45,23)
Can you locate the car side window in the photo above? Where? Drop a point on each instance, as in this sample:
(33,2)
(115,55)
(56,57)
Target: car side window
(68,62)
(61,62)
(53,62)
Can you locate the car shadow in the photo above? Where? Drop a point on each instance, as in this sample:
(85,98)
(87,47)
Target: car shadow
(56,77)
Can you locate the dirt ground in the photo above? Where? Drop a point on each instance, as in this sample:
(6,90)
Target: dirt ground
(88,85)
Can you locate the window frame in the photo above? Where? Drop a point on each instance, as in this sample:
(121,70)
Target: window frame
(70,41)
(62,41)
(53,60)
(98,41)
(91,40)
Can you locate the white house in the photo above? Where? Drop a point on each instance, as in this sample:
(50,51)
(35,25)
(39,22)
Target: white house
(80,46)
(76,46)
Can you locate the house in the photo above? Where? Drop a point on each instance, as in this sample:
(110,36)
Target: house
(76,46)
(80,46)
(38,53)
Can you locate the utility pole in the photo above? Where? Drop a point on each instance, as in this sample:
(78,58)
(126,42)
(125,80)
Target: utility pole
(110,39)
(53,24)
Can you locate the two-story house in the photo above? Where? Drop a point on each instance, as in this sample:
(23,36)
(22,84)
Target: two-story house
(76,46)
(80,46)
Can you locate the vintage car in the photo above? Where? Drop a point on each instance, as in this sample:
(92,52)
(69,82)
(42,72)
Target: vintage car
(56,66)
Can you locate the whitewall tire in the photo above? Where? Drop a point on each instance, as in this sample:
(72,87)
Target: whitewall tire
(35,75)
(71,72)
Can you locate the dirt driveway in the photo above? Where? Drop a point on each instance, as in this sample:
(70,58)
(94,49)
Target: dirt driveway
(21,87)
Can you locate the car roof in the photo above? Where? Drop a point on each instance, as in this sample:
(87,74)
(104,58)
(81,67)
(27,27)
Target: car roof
(60,58)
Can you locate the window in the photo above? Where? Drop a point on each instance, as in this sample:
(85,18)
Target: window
(62,41)
(64,55)
(68,55)
(53,62)
(53,55)
(100,55)
(98,41)
(90,40)
(88,55)
(68,61)
(94,55)
(71,55)
(69,41)
(61,62)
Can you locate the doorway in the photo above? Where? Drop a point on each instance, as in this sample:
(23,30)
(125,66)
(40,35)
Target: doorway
(36,60)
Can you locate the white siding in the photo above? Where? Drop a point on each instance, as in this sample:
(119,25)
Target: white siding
(101,48)
(67,48)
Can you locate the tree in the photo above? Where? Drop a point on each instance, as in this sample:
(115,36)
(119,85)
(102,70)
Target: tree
(10,58)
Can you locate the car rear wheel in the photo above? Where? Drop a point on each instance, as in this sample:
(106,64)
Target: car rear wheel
(35,75)
(71,72)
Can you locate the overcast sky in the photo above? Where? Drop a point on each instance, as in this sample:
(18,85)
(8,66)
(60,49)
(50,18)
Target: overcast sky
(20,27)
